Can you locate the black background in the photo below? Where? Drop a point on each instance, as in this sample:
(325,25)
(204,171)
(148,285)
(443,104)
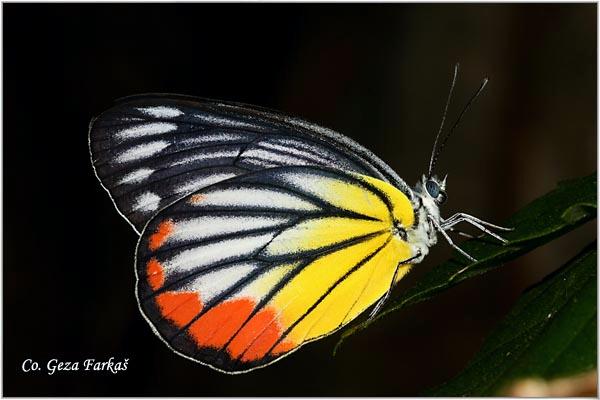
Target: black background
(378,73)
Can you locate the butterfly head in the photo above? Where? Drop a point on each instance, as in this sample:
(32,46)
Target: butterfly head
(434,188)
(431,194)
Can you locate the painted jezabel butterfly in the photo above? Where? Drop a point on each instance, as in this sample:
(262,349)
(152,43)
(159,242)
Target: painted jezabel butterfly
(259,232)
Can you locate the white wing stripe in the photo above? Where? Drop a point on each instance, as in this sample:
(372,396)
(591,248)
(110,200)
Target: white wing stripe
(161,111)
(213,283)
(207,156)
(215,253)
(147,201)
(255,198)
(137,176)
(215,120)
(153,128)
(284,159)
(217,137)
(208,226)
(141,151)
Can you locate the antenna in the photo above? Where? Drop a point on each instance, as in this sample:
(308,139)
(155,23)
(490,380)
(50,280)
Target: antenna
(462,113)
(433,154)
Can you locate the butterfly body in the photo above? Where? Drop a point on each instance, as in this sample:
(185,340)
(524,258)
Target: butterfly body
(259,232)
(424,235)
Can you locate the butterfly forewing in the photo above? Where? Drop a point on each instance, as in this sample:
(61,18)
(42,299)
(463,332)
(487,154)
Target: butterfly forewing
(149,151)
(240,273)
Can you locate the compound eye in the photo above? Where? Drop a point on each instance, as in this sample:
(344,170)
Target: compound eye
(442,197)
(432,188)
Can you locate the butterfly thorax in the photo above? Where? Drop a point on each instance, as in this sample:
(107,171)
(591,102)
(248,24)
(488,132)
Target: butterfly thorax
(428,194)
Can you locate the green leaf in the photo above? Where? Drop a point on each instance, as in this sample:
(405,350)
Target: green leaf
(568,206)
(550,333)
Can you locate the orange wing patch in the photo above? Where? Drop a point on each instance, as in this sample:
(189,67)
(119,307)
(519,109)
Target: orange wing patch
(249,340)
(196,198)
(257,336)
(217,326)
(283,347)
(155,274)
(165,228)
(179,307)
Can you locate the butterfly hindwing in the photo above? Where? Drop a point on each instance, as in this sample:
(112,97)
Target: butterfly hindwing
(151,150)
(242,272)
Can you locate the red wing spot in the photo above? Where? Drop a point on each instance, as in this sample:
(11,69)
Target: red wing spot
(283,347)
(155,274)
(196,198)
(179,307)
(257,336)
(216,327)
(165,228)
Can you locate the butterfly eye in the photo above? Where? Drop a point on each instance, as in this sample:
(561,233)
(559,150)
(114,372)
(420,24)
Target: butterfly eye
(432,188)
(442,197)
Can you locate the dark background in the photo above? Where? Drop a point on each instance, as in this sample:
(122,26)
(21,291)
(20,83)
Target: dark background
(378,73)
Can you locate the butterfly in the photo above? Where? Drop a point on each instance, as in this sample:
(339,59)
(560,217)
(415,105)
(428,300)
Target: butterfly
(259,232)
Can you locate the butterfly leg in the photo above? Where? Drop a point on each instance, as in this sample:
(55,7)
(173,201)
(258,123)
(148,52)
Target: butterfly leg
(449,240)
(382,300)
(448,225)
(461,233)
(459,217)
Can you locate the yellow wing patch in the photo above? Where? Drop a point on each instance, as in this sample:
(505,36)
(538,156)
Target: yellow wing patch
(402,208)
(312,283)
